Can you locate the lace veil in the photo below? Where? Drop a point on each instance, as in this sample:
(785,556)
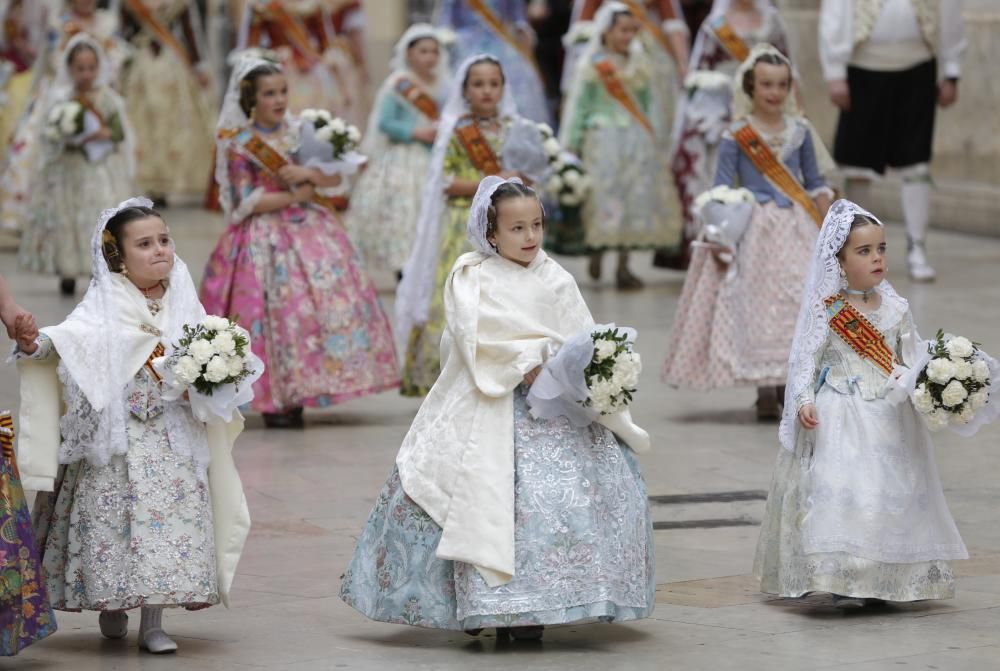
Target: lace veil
(478,221)
(413,296)
(812,328)
(104,342)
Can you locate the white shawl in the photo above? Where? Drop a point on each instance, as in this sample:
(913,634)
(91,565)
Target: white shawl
(457,460)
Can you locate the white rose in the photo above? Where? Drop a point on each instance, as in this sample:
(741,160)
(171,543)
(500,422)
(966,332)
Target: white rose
(324,115)
(55,114)
(965,416)
(223,343)
(187,369)
(234,365)
(353,134)
(202,351)
(980,371)
(963,369)
(570,199)
(325,134)
(626,372)
(557,165)
(214,323)
(922,399)
(217,370)
(545,130)
(605,349)
(68,124)
(583,185)
(940,370)
(571,178)
(551,147)
(953,394)
(337,126)
(979,399)
(937,420)
(555,184)
(959,347)
(310,115)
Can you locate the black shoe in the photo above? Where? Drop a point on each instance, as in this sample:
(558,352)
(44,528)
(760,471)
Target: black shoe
(474,632)
(284,420)
(532,633)
(67,286)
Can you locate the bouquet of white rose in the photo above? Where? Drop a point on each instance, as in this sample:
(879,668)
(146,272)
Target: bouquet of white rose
(567,180)
(954,385)
(65,120)
(214,364)
(342,136)
(595,372)
(725,213)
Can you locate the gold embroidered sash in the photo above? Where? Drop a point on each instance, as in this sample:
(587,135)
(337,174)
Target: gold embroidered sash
(764,160)
(862,336)
(732,42)
(268,158)
(7,435)
(477,147)
(416,96)
(613,85)
(651,26)
(148,20)
(500,28)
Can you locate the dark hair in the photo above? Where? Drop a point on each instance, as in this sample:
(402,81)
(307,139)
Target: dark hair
(480,61)
(248,85)
(770,59)
(860,220)
(508,191)
(77,48)
(614,20)
(421,38)
(112,240)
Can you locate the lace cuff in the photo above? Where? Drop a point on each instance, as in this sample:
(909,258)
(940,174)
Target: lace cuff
(45,350)
(822,190)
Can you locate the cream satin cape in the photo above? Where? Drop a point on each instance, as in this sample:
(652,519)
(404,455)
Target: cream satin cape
(457,460)
(41,408)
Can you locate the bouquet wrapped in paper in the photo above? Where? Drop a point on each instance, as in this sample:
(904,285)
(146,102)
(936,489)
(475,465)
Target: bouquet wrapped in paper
(329,142)
(594,373)
(952,385)
(725,214)
(214,365)
(567,181)
(71,122)
(523,150)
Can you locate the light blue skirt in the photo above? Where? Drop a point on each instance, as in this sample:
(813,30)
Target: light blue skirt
(583,542)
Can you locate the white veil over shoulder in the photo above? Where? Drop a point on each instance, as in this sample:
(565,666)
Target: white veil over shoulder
(812,328)
(413,296)
(478,221)
(104,342)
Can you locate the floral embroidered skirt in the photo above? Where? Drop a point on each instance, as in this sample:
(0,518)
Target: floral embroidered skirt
(734,327)
(295,282)
(25,613)
(583,542)
(137,532)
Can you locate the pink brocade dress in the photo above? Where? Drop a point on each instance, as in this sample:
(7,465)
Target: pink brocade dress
(292,279)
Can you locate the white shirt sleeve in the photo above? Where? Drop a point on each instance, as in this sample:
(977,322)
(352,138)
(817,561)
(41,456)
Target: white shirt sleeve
(951,39)
(835,40)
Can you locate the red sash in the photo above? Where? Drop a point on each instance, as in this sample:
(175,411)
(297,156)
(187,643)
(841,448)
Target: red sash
(613,85)
(477,147)
(732,42)
(854,329)
(651,26)
(764,160)
(148,20)
(500,28)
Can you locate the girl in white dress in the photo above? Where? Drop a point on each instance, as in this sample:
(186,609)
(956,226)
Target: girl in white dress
(856,507)
(146,509)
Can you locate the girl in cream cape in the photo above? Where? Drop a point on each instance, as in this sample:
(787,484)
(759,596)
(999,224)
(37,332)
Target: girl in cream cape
(146,508)
(492,518)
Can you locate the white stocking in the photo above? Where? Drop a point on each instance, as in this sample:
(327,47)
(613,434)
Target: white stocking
(151,634)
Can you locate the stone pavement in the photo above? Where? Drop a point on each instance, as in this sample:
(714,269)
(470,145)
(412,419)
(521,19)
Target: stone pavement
(311,491)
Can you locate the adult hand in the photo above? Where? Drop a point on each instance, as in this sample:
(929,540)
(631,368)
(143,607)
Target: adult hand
(840,94)
(25,333)
(807,416)
(947,93)
(9,315)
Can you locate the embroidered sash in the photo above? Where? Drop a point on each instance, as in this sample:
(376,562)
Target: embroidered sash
(613,85)
(500,28)
(732,42)
(477,147)
(651,26)
(268,157)
(416,96)
(764,160)
(295,33)
(90,107)
(855,330)
(148,20)
(7,435)
(157,352)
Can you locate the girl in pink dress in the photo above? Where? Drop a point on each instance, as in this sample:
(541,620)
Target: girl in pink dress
(285,266)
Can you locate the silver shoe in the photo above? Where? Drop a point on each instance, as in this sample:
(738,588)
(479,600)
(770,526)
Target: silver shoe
(114,623)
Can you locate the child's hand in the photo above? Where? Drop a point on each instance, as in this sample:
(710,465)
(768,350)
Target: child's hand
(103,133)
(531,376)
(9,314)
(25,333)
(807,416)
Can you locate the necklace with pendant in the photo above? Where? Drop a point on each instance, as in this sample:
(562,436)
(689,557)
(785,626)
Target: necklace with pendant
(866,294)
